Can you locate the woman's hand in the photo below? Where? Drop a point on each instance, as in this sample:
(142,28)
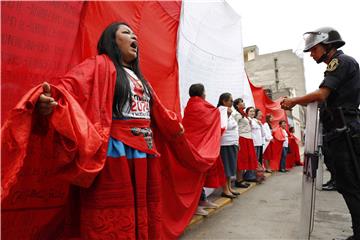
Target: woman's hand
(46,103)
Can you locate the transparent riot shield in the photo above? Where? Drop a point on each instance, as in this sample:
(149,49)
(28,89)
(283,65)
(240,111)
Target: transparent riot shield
(311,159)
(320,170)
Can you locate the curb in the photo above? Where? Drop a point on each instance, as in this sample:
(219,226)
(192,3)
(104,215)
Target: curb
(222,202)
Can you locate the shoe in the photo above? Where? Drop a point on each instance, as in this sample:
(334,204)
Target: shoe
(330,187)
(241,184)
(251,180)
(208,204)
(228,196)
(327,183)
(268,171)
(202,212)
(282,170)
(235,193)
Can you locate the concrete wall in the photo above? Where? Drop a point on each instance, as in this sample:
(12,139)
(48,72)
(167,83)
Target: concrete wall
(261,70)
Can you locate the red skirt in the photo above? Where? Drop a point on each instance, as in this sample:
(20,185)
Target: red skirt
(247,159)
(268,154)
(124,200)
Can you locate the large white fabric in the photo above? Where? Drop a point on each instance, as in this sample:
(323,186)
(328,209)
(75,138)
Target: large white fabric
(210,51)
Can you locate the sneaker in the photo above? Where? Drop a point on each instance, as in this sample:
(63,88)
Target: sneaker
(202,212)
(268,171)
(208,204)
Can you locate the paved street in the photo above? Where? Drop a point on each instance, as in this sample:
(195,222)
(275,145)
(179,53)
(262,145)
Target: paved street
(272,211)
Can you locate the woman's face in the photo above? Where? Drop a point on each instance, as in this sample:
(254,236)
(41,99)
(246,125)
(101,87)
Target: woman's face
(241,105)
(126,41)
(259,115)
(251,112)
(283,125)
(228,103)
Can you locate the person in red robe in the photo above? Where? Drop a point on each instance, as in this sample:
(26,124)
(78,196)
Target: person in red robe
(198,117)
(94,130)
(293,157)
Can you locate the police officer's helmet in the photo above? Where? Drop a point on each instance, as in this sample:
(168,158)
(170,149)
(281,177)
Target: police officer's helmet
(325,35)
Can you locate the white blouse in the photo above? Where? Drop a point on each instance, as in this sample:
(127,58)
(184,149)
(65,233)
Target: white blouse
(243,125)
(286,142)
(231,134)
(257,132)
(267,132)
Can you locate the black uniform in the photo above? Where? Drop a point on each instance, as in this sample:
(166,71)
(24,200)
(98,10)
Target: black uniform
(343,78)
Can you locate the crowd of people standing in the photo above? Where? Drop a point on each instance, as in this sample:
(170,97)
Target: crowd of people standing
(247,146)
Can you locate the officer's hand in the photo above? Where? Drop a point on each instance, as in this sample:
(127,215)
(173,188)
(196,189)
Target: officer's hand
(287,103)
(46,103)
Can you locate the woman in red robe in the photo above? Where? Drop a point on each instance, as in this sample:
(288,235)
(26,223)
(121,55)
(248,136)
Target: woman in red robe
(97,125)
(293,157)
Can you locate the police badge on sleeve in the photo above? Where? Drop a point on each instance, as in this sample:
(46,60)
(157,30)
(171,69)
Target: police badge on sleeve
(333,64)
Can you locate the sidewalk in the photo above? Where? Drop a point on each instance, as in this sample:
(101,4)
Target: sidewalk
(272,211)
(222,202)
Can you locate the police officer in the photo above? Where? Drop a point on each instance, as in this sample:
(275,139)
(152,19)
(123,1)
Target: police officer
(339,94)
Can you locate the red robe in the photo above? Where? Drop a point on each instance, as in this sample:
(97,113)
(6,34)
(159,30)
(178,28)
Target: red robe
(277,147)
(45,161)
(201,120)
(293,157)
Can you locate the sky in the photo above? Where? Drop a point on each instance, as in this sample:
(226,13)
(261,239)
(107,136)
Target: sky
(279,25)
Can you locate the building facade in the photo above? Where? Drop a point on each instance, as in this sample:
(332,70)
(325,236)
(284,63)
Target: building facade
(280,74)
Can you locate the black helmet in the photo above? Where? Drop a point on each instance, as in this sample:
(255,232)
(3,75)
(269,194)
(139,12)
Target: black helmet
(325,35)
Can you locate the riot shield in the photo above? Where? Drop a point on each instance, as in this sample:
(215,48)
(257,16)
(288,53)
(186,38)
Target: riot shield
(311,159)
(320,170)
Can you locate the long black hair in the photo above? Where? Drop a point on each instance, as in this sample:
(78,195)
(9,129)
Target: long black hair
(107,45)
(223,97)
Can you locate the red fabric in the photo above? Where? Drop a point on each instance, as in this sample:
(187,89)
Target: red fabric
(39,161)
(268,106)
(156,25)
(75,151)
(37,43)
(215,177)
(49,54)
(121,130)
(278,141)
(201,118)
(268,153)
(108,210)
(247,159)
(293,158)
